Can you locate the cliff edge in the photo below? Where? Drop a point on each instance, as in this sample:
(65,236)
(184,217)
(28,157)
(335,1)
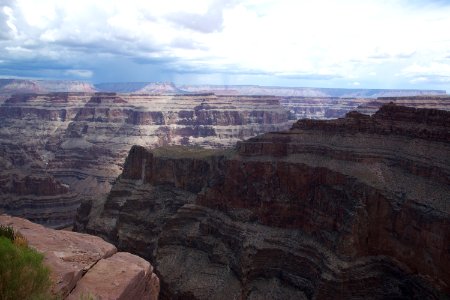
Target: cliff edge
(82,265)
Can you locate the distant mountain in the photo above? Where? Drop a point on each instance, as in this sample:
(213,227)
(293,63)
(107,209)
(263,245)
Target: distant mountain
(306,91)
(160,88)
(14,86)
(139,87)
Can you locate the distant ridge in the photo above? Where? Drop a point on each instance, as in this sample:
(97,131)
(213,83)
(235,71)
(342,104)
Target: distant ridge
(14,86)
(307,91)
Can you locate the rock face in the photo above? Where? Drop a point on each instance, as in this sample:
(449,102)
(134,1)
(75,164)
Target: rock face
(322,108)
(441,102)
(39,198)
(354,208)
(16,86)
(81,139)
(82,264)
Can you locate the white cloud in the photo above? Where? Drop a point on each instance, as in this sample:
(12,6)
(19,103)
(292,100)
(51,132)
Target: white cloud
(322,40)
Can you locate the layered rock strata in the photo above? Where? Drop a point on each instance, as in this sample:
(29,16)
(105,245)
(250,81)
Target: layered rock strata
(84,266)
(82,139)
(39,198)
(10,87)
(441,102)
(321,108)
(351,208)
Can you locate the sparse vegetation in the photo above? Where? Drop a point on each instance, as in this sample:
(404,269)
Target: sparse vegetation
(22,273)
(7,232)
(87,296)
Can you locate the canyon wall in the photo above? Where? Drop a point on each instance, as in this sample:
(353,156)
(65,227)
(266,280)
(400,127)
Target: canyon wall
(73,145)
(351,208)
(441,102)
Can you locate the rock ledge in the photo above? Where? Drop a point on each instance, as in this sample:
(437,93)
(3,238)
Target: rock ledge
(83,264)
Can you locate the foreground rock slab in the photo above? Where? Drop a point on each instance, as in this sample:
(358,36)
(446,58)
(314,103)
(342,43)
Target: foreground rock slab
(83,264)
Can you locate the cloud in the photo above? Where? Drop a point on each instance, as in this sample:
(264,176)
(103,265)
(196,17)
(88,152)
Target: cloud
(432,73)
(7,28)
(310,76)
(208,21)
(286,40)
(79,73)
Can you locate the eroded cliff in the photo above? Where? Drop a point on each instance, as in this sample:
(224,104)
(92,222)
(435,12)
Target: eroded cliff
(80,140)
(351,208)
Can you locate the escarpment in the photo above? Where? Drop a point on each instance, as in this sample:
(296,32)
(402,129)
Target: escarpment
(351,208)
(80,140)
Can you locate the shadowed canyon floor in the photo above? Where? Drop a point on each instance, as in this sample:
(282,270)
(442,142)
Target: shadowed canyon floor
(354,208)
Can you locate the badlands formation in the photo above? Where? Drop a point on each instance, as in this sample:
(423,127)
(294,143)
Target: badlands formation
(325,210)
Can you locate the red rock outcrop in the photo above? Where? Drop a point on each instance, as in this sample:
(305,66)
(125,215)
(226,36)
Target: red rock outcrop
(85,265)
(345,209)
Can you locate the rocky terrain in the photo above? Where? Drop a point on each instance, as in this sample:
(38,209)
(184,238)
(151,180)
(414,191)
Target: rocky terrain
(302,102)
(322,108)
(85,266)
(73,145)
(9,87)
(441,102)
(326,210)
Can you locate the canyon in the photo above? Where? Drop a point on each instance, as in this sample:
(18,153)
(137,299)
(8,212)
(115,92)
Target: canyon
(59,148)
(63,141)
(327,209)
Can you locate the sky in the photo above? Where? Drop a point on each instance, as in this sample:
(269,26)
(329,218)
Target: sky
(320,43)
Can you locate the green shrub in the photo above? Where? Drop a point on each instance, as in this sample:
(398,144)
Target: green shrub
(7,232)
(22,273)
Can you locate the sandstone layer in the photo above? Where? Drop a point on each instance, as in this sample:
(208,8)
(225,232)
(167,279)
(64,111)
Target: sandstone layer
(82,265)
(80,140)
(354,208)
